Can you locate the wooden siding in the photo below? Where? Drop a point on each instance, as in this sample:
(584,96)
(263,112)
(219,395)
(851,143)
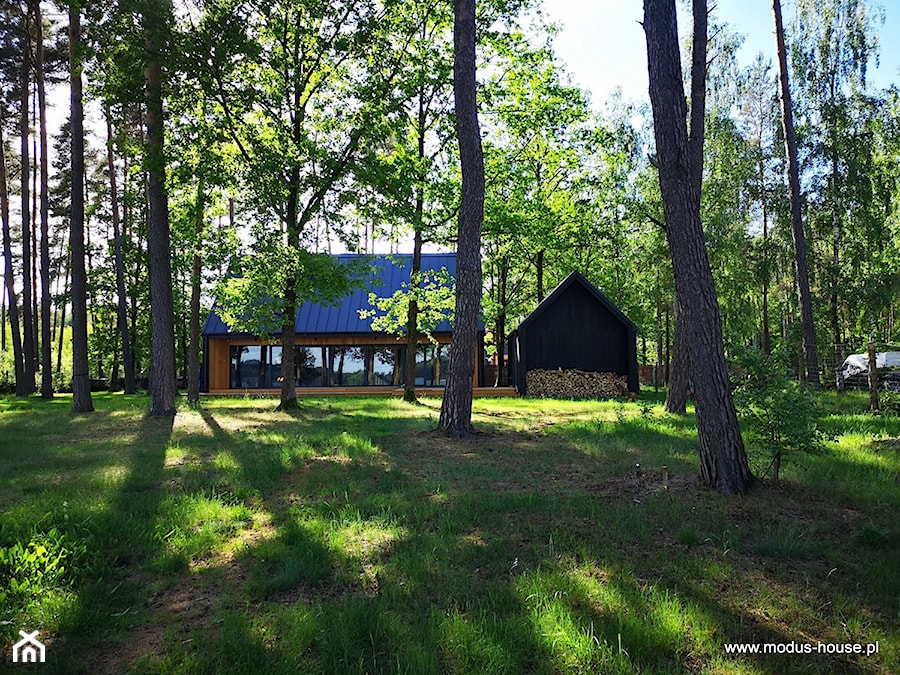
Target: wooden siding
(219,363)
(575,330)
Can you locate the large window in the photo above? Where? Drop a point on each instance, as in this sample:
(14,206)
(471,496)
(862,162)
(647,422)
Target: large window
(259,366)
(431,365)
(255,366)
(309,366)
(384,363)
(349,366)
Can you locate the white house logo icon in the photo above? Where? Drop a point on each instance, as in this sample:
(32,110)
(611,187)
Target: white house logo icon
(28,649)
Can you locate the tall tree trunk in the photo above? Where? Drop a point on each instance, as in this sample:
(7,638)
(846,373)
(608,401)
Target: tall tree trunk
(810,371)
(412,315)
(766,332)
(723,461)
(289,317)
(28,336)
(659,338)
(873,377)
(62,319)
(679,375)
(162,362)
(193,374)
(540,275)
(680,378)
(134,273)
(35,255)
(46,338)
(93,323)
(835,242)
(668,343)
(456,407)
(81,382)
(9,279)
(412,312)
(121,305)
(836,269)
(500,328)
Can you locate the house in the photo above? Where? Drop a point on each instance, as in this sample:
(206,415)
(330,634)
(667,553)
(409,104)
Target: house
(29,649)
(575,327)
(337,351)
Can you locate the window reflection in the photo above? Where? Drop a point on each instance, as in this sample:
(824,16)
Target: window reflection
(259,366)
(431,365)
(255,366)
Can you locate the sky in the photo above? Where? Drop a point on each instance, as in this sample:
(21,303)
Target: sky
(602,42)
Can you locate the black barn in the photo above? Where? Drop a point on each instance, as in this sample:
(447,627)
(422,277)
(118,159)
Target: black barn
(576,326)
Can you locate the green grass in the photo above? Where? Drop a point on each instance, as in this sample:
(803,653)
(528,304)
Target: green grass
(350,537)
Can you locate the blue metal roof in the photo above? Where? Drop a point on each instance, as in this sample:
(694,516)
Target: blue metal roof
(389,272)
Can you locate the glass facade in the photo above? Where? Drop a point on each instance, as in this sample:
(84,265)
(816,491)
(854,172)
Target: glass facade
(255,366)
(259,366)
(431,365)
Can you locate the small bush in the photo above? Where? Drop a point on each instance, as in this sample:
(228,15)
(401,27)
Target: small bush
(780,416)
(42,564)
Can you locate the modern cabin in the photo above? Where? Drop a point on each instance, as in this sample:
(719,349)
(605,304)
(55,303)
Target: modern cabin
(575,327)
(336,350)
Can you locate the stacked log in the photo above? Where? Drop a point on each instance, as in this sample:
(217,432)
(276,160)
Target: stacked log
(575,384)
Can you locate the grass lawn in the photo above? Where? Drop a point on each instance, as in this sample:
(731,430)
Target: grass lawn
(352,538)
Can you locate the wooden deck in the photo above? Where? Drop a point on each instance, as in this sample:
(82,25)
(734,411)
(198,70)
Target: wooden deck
(437,392)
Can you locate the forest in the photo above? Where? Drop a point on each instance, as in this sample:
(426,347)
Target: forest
(226,139)
(166,161)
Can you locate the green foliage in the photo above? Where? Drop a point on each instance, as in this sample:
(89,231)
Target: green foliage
(436,298)
(37,567)
(252,300)
(780,416)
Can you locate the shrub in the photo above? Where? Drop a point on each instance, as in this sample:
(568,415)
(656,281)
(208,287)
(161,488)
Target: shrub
(780,416)
(37,566)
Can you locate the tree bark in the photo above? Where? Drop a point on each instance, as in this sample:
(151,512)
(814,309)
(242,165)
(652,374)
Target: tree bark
(412,314)
(412,317)
(500,327)
(810,371)
(540,275)
(62,311)
(121,306)
(46,338)
(193,374)
(766,332)
(8,278)
(679,377)
(289,318)
(456,407)
(28,336)
(723,461)
(162,365)
(874,403)
(81,383)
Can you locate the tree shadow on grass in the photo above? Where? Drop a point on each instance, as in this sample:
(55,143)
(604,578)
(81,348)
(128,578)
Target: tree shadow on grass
(119,543)
(407,552)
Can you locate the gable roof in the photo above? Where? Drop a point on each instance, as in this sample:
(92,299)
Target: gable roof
(577,278)
(389,273)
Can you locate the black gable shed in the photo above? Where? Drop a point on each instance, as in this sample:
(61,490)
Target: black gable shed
(576,326)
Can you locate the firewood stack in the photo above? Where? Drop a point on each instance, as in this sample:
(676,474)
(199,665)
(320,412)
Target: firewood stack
(575,384)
